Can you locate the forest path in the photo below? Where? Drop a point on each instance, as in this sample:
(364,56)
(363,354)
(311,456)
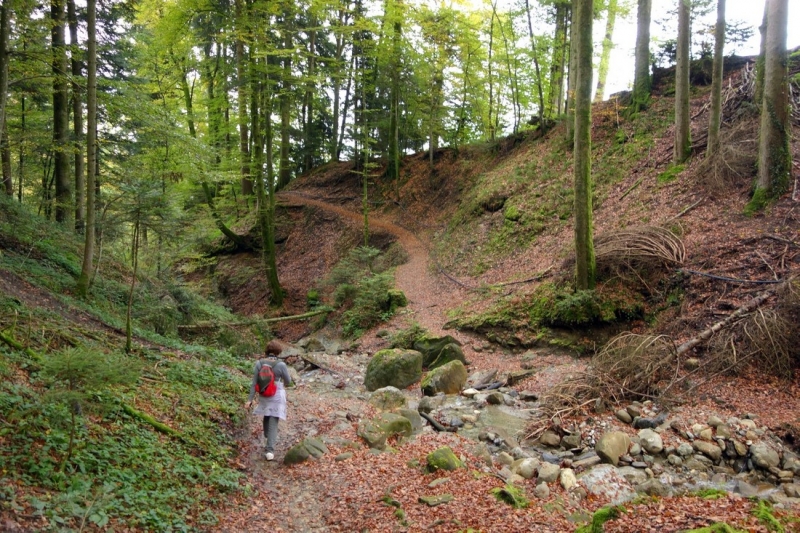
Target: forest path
(429,294)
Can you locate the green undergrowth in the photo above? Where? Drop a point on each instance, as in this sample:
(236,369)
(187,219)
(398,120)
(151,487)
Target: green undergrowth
(600,517)
(90,437)
(552,306)
(360,286)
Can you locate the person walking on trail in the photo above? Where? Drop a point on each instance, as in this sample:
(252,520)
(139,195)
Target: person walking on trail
(271,396)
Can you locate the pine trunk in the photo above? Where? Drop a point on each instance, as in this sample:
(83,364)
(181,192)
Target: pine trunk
(77,118)
(285,171)
(63,195)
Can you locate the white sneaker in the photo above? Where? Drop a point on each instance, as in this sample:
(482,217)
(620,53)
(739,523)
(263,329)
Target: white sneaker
(270,456)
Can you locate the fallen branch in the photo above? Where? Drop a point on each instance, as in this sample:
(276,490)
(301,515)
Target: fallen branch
(212,325)
(732,280)
(537,277)
(159,426)
(18,346)
(705,335)
(489,386)
(436,425)
(632,188)
(679,215)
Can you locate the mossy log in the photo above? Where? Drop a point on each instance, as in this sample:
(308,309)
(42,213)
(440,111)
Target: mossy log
(159,426)
(19,346)
(213,325)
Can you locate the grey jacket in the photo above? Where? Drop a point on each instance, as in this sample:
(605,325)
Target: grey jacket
(278,367)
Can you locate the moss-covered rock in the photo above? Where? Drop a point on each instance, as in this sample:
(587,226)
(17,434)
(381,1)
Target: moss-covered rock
(450,352)
(431,347)
(377,431)
(443,459)
(310,447)
(449,379)
(395,367)
(397,298)
(387,399)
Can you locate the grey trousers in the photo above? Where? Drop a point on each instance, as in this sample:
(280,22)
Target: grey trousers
(271,431)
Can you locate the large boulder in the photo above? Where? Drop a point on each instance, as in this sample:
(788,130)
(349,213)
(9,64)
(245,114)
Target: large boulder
(431,348)
(388,399)
(606,482)
(764,456)
(396,368)
(612,446)
(443,459)
(377,431)
(449,379)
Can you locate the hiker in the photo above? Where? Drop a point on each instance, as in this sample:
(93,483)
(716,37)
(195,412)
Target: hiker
(272,408)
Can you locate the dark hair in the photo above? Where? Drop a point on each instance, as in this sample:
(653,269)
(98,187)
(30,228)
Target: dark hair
(273,348)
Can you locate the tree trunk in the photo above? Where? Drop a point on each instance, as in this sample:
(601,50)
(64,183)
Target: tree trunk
(774,155)
(187,101)
(61,149)
(91,150)
(584,247)
(5,155)
(285,171)
(557,66)
(5,25)
(128,313)
(569,106)
(393,168)
(716,82)
(491,86)
(762,30)
(641,81)
(266,205)
(77,118)
(244,151)
(536,65)
(309,149)
(605,55)
(682,148)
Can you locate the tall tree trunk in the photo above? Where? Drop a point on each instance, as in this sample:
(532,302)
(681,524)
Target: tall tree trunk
(77,118)
(573,70)
(187,101)
(135,260)
(5,24)
(346,105)
(716,82)
(62,182)
(285,171)
(557,66)
(605,55)
(535,56)
(758,98)
(5,156)
(244,150)
(393,168)
(266,205)
(582,151)
(309,149)
(774,154)
(491,85)
(683,140)
(91,150)
(641,80)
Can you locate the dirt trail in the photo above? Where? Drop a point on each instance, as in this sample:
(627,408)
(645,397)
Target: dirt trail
(282,497)
(430,295)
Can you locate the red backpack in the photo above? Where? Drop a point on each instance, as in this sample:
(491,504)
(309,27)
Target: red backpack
(265,382)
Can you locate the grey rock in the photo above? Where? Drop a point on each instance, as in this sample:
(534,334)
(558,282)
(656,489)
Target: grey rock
(709,449)
(606,482)
(394,367)
(551,458)
(587,463)
(724,431)
(428,404)
(651,441)
(653,487)
(623,416)
(550,438)
(495,398)
(567,479)
(636,449)
(634,411)
(634,476)
(612,445)
(505,459)
(764,456)
(448,378)
(387,398)
(548,472)
(685,450)
(792,490)
(571,441)
(675,460)
(714,421)
(526,468)
(413,417)
(542,491)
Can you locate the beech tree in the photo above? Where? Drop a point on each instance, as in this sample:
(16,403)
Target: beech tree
(5,17)
(683,141)
(774,155)
(605,54)
(582,152)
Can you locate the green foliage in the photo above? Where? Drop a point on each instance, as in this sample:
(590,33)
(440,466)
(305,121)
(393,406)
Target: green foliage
(757,203)
(362,281)
(763,511)
(710,494)
(405,338)
(600,517)
(76,373)
(719,527)
(512,495)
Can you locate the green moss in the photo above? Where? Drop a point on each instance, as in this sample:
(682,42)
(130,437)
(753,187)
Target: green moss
(670,174)
(600,517)
(443,459)
(757,203)
(710,494)
(512,213)
(719,527)
(513,496)
(763,511)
